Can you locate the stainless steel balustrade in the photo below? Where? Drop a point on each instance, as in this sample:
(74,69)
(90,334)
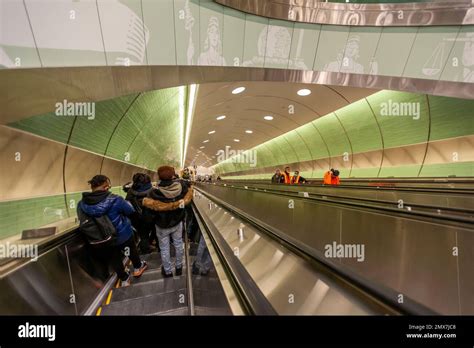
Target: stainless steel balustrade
(413,256)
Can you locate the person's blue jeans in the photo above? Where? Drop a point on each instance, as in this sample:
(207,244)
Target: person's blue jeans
(203,258)
(164,235)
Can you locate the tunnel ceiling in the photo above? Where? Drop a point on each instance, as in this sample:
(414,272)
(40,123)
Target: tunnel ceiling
(144,129)
(245,112)
(387,134)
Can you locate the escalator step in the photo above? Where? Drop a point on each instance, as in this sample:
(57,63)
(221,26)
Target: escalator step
(210,299)
(159,286)
(149,275)
(154,304)
(179,311)
(212,311)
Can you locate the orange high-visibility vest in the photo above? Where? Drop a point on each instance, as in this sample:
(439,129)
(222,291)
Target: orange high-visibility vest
(295,180)
(327,178)
(287,178)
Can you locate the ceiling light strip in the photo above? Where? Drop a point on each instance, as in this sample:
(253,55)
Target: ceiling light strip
(192,96)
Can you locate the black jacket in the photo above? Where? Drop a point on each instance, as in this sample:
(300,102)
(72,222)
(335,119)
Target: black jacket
(276,178)
(168,191)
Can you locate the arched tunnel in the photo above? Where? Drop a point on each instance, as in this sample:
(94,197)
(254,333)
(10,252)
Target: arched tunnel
(228,92)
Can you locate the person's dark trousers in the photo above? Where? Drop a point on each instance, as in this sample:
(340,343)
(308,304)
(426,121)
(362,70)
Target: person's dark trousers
(113,255)
(116,261)
(144,232)
(130,249)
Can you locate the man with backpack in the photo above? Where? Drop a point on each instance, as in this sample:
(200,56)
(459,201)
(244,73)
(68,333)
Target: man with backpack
(103,220)
(168,202)
(141,220)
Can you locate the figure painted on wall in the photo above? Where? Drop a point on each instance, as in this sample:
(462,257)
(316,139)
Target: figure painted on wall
(464,67)
(212,54)
(188,26)
(346,61)
(273,47)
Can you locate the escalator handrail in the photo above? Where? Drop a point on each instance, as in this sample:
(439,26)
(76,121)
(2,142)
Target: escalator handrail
(355,205)
(12,265)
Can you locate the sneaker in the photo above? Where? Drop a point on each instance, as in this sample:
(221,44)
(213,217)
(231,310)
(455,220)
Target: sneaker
(138,272)
(127,282)
(165,275)
(204,273)
(179,271)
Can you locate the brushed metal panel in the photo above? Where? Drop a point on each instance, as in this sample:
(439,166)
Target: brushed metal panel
(372,159)
(291,285)
(386,14)
(413,257)
(409,256)
(465,242)
(44,287)
(443,151)
(39,170)
(80,167)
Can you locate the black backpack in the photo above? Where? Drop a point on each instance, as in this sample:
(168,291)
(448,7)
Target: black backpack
(99,231)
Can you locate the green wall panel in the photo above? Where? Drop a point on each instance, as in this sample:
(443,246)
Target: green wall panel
(334,134)
(372,124)
(362,130)
(399,129)
(451,117)
(448,169)
(18,215)
(94,134)
(48,125)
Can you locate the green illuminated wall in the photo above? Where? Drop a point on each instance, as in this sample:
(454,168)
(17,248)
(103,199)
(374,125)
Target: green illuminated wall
(362,141)
(143,129)
(60,153)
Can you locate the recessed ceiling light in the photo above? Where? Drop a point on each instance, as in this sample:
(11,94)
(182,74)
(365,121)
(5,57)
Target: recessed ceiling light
(238,90)
(248,131)
(236,140)
(304,92)
(206,141)
(268,117)
(218,118)
(211,132)
(202,147)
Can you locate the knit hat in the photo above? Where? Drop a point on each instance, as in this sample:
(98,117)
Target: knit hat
(166,173)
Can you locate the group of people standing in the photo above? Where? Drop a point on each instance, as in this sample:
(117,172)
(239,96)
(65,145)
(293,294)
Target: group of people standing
(154,212)
(331,177)
(287,178)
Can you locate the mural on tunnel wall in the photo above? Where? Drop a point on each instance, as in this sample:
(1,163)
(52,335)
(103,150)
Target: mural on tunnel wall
(201,32)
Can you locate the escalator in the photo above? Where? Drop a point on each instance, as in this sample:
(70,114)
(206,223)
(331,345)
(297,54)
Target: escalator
(152,294)
(264,262)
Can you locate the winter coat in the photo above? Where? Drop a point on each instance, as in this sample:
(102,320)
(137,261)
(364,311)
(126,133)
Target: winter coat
(99,203)
(167,201)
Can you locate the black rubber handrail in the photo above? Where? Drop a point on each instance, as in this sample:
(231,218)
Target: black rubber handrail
(358,205)
(249,294)
(375,292)
(281,189)
(453,190)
